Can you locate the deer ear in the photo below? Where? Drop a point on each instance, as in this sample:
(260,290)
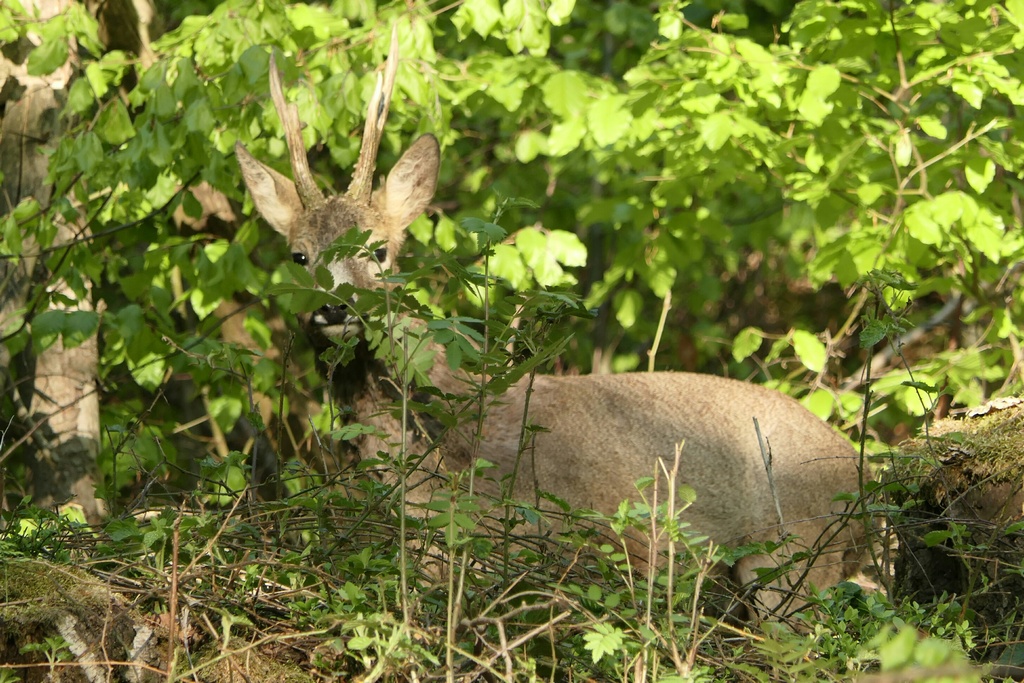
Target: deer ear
(410,185)
(273,194)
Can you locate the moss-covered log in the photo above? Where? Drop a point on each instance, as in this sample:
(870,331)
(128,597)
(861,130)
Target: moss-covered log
(961,490)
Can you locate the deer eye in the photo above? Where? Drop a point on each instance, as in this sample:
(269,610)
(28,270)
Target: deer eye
(300,258)
(380,254)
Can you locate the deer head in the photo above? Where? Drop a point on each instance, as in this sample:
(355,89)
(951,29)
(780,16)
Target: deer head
(311,221)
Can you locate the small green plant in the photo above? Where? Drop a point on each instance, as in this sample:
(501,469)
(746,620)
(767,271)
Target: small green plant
(54,648)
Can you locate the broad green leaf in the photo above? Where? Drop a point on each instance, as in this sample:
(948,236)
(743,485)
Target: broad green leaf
(534,247)
(565,94)
(820,402)
(114,125)
(566,136)
(870,192)
(531,244)
(10,231)
(49,56)
(80,97)
(485,232)
(97,78)
(670,24)
(526,26)
(810,350)
(734,22)
(627,304)
(815,103)
(88,152)
(1015,10)
(481,16)
(507,263)
(746,343)
(46,329)
(984,230)
(559,11)
(932,127)
(980,172)
(567,248)
(716,130)
(823,81)
(79,326)
(529,145)
(609,119)
(969,90)
(872,332)
(898,652)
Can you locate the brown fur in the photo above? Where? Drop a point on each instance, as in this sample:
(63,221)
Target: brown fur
(603,432)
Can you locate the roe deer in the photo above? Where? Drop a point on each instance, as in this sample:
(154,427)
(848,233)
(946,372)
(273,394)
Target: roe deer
(600,433)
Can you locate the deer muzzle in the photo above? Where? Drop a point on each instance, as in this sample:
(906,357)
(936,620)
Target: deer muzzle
(335,321)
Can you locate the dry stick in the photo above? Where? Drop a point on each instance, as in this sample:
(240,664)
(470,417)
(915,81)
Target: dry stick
(403,570)
(172,601)
(673,478)
(666,304)
(766,457)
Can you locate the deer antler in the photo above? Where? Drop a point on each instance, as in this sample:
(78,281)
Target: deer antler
(376,115)
(309,193)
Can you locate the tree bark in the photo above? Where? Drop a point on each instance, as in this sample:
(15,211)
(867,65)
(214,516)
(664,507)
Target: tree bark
(56,430)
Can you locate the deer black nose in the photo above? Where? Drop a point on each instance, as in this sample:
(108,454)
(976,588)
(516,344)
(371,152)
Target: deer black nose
(326,316)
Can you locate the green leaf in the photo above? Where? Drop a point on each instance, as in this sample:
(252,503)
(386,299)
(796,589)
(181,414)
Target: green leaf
(716,130)
(898,652)
(507,263)
(734,22)
(810,350)
(929,221)
(969,90)
(49,56)
(823,81)
(815,102)
(565,94)
(358,643)
(79,326)
(746,343)
(481,16)
(980,172)
(932,127)
(566,136)
(567,248)
(533,245)
(46,329)
(872,332)
(870,192)
(10,231)
(88,151)
(114,125)
(934,538)
(604,639)
(627,304)
(609,119)
(559,11)
(529,145)
(903,149)
(1015,11)
(485,232)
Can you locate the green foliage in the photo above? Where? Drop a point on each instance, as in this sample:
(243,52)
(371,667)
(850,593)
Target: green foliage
(800,190)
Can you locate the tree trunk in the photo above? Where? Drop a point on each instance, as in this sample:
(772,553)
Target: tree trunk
(55,391)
